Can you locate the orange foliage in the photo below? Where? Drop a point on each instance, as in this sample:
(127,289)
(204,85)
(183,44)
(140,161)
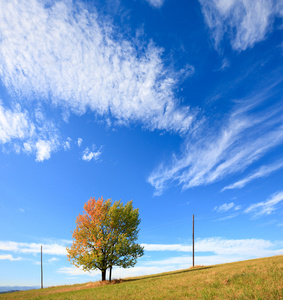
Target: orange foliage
(91,219)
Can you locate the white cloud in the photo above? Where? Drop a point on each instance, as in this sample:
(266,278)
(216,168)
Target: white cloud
(183,262)
(224,251)
(279,9)
(221,246)
(14,124)
(263,171)
(156,3)
(43,150)
(213,153)
(30,135)
(80,140)
(162,247)
(67,144)
(140,271)
(225,64)
(246,22)
(226,207)
(9,257)
(266,207)
(171,261)
(51,249)
(65,54)
(118,273)
(247,247)
(227,251)
(91,155)
(229,216)
(74,271)
(51,260)
(27,147)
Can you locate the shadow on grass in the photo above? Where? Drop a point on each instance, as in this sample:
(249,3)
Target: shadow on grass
(167,274)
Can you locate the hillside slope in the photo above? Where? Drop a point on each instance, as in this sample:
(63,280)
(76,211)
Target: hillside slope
(252,279)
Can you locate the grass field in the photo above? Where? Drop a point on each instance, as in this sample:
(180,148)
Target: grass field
(252,279)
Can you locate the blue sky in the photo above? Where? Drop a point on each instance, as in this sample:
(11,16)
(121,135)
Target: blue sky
(176,105)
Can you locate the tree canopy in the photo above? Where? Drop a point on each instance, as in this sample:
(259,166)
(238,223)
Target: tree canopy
(105,236)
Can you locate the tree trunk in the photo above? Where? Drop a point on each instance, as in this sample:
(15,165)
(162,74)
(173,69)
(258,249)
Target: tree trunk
(103,274)
(110,273)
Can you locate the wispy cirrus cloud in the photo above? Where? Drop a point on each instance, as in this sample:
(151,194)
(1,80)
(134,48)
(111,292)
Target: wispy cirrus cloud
(166,247)
(51,260)
(226,207)
(73,271)
(14,124)
(230,216)
(44,149)
(263,171)
(32,133)
(265,207)
(256,210)
(67,144)
(222,246)
(9,257)
(213,153)
(89,155)
(80,140)
(69,56)
(118,272)
(156,3)
(246,22)
(32,248)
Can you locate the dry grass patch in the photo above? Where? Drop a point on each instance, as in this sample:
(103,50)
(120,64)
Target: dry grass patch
(89,285)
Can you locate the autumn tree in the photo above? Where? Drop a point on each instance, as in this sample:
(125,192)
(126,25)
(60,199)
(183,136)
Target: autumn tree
(105,236)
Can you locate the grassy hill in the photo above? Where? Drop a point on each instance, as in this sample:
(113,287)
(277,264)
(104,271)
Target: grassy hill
(252,279)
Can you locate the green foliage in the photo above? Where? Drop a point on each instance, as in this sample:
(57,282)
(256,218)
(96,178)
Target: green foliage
(120,230)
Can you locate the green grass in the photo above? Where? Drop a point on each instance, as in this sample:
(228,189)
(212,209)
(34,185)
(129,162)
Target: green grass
(252,279)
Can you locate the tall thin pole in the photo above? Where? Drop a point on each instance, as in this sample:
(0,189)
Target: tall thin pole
(41,270)
(193,240)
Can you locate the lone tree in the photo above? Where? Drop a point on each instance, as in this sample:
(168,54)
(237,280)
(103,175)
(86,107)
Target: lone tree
(105,236)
